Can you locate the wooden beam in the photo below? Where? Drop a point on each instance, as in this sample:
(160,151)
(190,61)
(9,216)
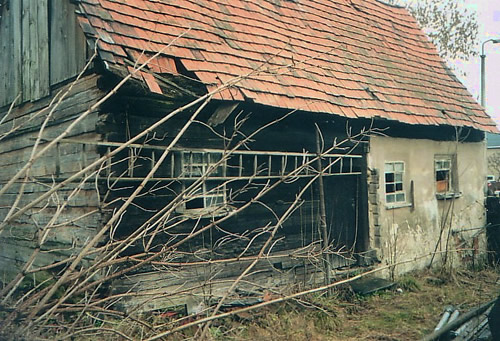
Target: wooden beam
(210,150)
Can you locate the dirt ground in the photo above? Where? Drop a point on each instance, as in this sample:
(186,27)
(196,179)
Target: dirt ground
(408,312)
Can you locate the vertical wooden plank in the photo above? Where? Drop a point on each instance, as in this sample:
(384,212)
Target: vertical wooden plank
(363,239)
(42,27)
(70,26)
(58,159)
(26,69)
(58,40)
(34,75)
(24,51)
(17,49)
(80,44)
(68,45)
(5,56)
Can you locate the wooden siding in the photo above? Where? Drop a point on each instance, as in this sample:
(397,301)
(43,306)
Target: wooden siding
(35,56)
(301,231)
(67,42)
(18,240)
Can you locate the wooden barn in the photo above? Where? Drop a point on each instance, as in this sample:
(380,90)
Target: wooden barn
(166,145)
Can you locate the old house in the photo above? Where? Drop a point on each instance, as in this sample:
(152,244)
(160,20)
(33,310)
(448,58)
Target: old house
(401,171)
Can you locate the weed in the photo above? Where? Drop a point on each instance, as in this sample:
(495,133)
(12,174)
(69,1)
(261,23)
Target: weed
(409,283)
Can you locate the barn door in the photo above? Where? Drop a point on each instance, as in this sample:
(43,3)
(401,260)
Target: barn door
(342,211)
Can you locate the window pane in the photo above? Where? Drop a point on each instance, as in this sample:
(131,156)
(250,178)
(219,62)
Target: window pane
(389,188)
(399,186)
(400,197)
(389,167)
(389,177)
(214,201)
(195,203)
(399,177)
(442,175)
(210,186)
(195,170)
(390,198)
(399,167)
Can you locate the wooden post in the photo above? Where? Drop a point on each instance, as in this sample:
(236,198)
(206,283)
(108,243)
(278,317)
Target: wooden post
(322,211)
(363,234)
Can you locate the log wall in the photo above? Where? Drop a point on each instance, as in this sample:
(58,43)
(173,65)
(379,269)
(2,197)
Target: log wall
(154,286)
(78,222)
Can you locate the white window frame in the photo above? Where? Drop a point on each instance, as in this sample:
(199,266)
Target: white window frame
(194,165)
(397,194)
(445,176)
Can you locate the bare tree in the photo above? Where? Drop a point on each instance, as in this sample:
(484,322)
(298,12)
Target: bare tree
(451,25)
(39,299)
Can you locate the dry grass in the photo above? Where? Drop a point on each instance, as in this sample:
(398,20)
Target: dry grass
(393,315)
(390,315)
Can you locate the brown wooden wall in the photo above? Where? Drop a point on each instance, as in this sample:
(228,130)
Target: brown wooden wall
(293,246)
(294,134)
(40,46)
(18,240)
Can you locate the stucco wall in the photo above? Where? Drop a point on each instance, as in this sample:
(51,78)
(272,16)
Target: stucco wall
(412,231)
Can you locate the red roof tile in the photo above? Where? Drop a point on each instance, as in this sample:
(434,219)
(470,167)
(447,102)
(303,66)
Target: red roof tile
(356,58)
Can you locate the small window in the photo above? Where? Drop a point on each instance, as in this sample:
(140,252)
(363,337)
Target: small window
(210,194)
(445,175)
(394,188)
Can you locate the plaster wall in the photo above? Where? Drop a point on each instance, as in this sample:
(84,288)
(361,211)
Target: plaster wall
(422,224)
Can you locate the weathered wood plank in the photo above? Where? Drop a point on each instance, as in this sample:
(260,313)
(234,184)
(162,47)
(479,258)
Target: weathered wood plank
(30,129)
(14,255)
(53,130)
(164,294)
(68,48)
(70,107)
(58,36)
(81,217)
(5,56)
(26,55)
(42,49)
(17,50)
(61,237)
(10,47)
(20,156)
(84,84)
(33,46)
(82,199)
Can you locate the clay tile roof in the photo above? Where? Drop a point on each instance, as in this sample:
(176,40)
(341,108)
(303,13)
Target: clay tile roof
(353,58)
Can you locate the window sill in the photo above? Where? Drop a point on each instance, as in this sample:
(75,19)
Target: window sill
(446,196)
(397,205)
